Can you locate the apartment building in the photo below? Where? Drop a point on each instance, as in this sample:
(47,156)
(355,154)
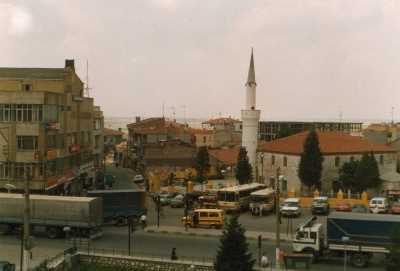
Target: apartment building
(46,130)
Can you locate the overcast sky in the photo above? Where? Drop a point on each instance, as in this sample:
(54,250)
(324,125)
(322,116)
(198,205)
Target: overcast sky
(313,59)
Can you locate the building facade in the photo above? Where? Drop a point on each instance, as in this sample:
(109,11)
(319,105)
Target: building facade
(337,148)
(271,130)
(98,138)
(46,128)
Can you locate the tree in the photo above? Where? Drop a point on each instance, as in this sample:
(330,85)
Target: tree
(233,253)
(202,164)
(393,261)
(310,166)
(367,173)
(347,176)
(243,168)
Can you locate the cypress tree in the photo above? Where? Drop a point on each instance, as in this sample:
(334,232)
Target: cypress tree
(243,168)
(367,173)
(233,253)
(347,176)
(310,166)
(202,163)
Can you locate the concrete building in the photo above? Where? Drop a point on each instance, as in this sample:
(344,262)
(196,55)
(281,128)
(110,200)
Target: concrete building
(336,149)
(382,133)
(98,138)
(151,132)
(250,116)
(46,128)
(271,130)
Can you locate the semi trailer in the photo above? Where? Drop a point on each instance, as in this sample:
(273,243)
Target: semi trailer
(53,215)
(358,235)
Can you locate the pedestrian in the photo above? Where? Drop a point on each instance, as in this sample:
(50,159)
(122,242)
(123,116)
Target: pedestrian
(264,260)
(143,221)
(173,254)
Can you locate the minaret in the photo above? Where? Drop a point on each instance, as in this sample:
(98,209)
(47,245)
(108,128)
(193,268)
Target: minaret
(250,117)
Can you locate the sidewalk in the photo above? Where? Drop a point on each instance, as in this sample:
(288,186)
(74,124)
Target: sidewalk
(212,232)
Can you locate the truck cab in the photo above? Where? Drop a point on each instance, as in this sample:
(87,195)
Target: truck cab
(309,237)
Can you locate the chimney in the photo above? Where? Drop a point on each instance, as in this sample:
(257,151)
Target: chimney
(70,63)
(137,119)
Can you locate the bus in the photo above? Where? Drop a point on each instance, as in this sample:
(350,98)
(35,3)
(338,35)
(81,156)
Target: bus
(237,198)
(262,201)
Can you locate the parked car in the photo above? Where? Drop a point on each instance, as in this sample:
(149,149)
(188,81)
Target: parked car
(165,198)
(343,206)
(379,205)
(395,208)
(177,201)
(291,207)
(320,205)
(6,266)
(138,179)
(359,208)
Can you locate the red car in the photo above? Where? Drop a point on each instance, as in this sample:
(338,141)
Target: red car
(396,208)
(343,207)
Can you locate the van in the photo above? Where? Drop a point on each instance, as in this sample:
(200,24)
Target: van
(291,207)
(206,218)
(379,205)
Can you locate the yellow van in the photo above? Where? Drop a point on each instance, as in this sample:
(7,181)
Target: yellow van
(208,218)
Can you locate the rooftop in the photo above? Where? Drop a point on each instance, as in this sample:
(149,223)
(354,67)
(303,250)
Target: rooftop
(112,132)
(329,142)
(32,73)
(219,121)
(226,156)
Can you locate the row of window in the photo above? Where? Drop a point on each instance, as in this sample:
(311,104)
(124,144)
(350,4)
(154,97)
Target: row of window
(21,112)
(53,141)
(337,160)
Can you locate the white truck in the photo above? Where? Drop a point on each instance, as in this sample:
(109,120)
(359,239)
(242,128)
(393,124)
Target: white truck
(82,216)
(358,235)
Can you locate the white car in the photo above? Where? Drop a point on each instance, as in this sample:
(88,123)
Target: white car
(138,178)
(291,207)
(379,205)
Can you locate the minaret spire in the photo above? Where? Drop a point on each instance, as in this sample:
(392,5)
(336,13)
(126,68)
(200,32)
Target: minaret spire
(251,78)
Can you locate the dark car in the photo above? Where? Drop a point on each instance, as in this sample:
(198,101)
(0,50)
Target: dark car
(177,201)
(6,266)
(320,205)
(359,208)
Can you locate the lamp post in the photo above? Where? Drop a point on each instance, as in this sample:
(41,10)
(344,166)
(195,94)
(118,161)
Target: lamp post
(262,167)
(345,239)
(278,218)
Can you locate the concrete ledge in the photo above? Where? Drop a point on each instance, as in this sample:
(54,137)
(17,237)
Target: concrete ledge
(252,235)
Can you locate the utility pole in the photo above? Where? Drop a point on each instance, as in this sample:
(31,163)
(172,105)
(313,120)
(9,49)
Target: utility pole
(27,245)
(278,217)
(158,205)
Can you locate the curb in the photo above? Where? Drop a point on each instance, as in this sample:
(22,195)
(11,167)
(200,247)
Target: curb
(191,233)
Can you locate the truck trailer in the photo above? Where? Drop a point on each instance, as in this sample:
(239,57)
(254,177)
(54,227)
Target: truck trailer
(121,205)
(80,216)
(359,235)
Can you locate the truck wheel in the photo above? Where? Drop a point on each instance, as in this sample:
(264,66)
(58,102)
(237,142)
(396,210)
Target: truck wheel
(359,259)
(52,232)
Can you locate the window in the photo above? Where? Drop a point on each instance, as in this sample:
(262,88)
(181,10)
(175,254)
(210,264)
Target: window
(27,87)
(381,159)
(213,215)
(273,160)
(21,112)
(27,142)
(285,161)
(337,161)
(203,214)
(51,141)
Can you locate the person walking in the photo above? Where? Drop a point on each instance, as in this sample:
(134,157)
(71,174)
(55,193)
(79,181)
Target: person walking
(143,221)
(174,257)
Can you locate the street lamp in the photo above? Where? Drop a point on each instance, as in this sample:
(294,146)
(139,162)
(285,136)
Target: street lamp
(262,167)
(345,239)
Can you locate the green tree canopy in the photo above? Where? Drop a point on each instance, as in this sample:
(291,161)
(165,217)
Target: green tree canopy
(347,176)
(233,253)
(243,167)
(202,163)
(367,173)
(310,166)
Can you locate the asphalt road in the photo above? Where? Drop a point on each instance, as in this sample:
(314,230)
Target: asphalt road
(153,244)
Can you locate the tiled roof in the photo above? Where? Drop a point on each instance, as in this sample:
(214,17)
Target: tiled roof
(221,121)
(32,73)
(112,132)
(226,156)
(329,143)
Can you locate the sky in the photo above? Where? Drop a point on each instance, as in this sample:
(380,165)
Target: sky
(314,59)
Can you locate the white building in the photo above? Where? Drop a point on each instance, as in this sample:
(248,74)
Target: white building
(250,117)
(336,148)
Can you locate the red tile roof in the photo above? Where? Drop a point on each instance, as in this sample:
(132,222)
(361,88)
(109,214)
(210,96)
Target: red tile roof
(226,156)
(200,131)
(112,132)
(329,142)
(221,121)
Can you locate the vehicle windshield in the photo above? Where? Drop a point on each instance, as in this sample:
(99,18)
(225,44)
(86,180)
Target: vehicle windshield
(319,201)
(291,204)
(226,196)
